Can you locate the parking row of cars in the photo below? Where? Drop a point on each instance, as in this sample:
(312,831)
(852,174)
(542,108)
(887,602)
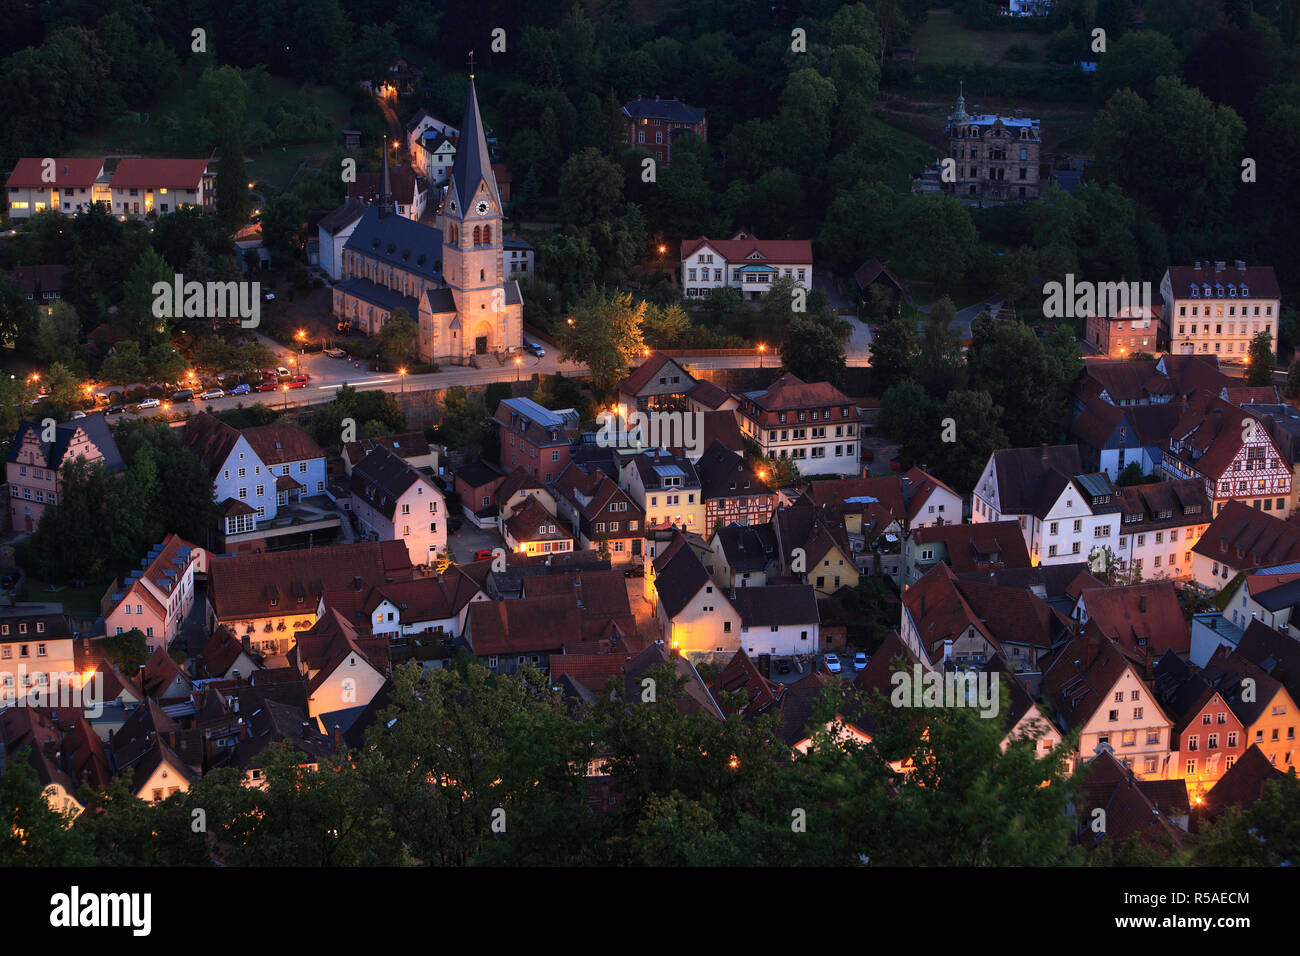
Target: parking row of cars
(834,666)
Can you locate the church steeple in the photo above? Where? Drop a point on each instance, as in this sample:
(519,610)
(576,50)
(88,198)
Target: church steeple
(386,188)
(960,115)
(473,165)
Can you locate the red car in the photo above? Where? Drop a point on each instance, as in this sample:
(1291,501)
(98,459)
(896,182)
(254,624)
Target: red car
(267,387)
(299,382)
(483,554)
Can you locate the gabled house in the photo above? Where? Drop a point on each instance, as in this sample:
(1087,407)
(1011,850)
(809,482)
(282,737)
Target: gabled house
(743,262)
(1242,784)
(814,548)
(600,512)
(1216,308)
(156,599)
(1097,690)
(142,186)
(272,597)
(744,555)
(37,456)
(653,124)
(37,651)
(659,384)
(257,472)
(509,635)
(1232,453)
(1171,378)
(271,721)
(412,447)
(33,729)
(531,528)
(778,619)
(987,546)
(162,679)
(476,483)
(732,491)
(1208,736)
(76,185)
(1260,701)
(694,615)
(224,657)
(667,488)
(1242,538)
(534,438)
(813,424)
(339,671)
(403,609)
(1141,618)
(394,502)
(1128,799)
(1112,437)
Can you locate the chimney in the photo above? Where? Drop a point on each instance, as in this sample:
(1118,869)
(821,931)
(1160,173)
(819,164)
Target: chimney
(947,650)
(306,727)
(1197,265)
(1219,265)
(1241,265)
(356,582)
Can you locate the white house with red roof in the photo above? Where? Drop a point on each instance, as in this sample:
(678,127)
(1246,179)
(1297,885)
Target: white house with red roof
(744,262)
(141,186)
(68,185)
(815,424)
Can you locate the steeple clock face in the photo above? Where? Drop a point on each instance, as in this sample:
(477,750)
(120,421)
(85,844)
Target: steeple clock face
(482,207)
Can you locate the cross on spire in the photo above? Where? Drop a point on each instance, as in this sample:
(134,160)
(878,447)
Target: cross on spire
(471,64)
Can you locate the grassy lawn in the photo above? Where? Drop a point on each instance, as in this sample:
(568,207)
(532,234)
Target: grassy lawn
(944,38)
(83,601)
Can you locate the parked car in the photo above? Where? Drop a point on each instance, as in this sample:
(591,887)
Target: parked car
(212,393)
(535,349)
(242,389)
(298,382)
(268,297)
(267,386)
(78,414)
(117,408)
(148,403)
(184,395)
(335,353)
(783,666)
(859,661)
(832,663)
(483,554)
(282,371)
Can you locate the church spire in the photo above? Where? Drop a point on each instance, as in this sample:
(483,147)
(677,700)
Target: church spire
(473,163)
(386,188)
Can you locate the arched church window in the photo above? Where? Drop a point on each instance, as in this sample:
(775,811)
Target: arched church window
(487,235)
(482,275)
(478,238)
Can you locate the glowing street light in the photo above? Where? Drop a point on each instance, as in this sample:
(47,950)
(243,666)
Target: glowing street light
(402,373)
(762,349)
(285,389)
(518,361)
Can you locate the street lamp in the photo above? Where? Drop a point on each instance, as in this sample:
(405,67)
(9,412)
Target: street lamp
(761,349)
(285,389)
(402,372)
(518,362)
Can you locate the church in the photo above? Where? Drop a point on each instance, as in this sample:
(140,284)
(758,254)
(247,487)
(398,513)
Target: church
(450,279)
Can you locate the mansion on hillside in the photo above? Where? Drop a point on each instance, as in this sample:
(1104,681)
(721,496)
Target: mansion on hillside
(451,279)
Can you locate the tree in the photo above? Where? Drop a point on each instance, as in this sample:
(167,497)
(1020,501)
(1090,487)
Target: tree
(125,366)
(604,333)
(591,188)
(1028,378)
(893,353)
(284,224)
(935,238)
(399,336)
(184,503)
(1264,834)
(1292,387)
(233,199)
(811,353)
(128,650)
(18,315)
(907,415)
(461,427)
(135,314)
(34,834)
(968,432)
(664,327)
(1261,359)
(940,366)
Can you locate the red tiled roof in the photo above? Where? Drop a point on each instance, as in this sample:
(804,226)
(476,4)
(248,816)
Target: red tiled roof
(785,251)
(1260,280)
(646,371)
(163,173)
(1243,537)
(280,444)
(1140,617)
(523,625)
(73,171)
